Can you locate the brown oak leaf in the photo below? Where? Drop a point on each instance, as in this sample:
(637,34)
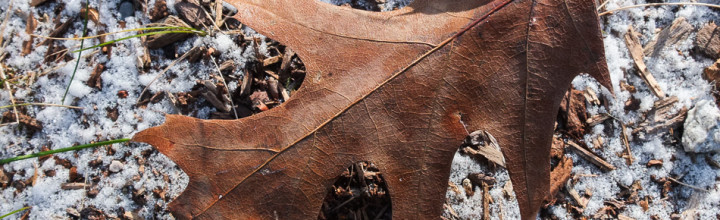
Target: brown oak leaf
(400,89)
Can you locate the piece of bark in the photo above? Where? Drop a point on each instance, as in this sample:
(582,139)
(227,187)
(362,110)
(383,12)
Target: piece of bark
(712,73)
(25,120)
(30,26)
(228,65)
(159,11)
(573,112)
(708,40)
(246,84)
(157,41)
(284,72)
(34,3)
(557,149)
(590,156)
(482,143)
(658,119)
(273,88)
(559,176)
(95,79)
(193,14)
(636,52)
(678,30)
(195,53)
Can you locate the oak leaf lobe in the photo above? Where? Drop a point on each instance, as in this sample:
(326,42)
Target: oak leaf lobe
(400,89)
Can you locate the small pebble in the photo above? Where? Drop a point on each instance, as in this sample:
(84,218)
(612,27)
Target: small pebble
(126,9)
(116,166)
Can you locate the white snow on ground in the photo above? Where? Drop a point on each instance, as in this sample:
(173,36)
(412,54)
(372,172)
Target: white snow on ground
(677,71)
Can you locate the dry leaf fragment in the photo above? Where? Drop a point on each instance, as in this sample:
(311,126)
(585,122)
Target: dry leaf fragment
(401,93)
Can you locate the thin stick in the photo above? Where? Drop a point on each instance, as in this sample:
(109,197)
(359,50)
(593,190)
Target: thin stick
(2,68)
(160,74)
(658,4)
(79,147)
(40,104)
(82,43)
(4,24)
(226,87)
(602,5)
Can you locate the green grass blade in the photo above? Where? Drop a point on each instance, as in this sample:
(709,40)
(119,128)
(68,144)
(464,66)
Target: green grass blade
(82,42)
(74,148)
(137,35)
(203,33)
(13,212)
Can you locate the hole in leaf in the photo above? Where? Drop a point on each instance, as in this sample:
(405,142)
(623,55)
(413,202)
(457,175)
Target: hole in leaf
(267,75)
(371,5)
(360,192)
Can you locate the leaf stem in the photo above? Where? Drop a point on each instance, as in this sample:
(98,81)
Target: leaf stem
(79,147)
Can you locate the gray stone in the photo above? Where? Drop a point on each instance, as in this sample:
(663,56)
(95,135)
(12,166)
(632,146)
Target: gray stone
(702,130)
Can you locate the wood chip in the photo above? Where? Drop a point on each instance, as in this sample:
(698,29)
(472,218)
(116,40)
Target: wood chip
(228,65)
(590,156)
(157,41)
(659,119)
(30,26)
(636,52)
(95,79)
(678,30)
(271,61)
(24,120)
(34,3)
(707,40)
(712,73)
(655,163)
(284,71)
(622,217)
(581,201)
(210,97)
(591,96)
(73,186)
(193,14)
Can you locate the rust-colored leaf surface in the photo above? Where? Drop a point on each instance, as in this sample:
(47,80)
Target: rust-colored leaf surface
(397,88)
